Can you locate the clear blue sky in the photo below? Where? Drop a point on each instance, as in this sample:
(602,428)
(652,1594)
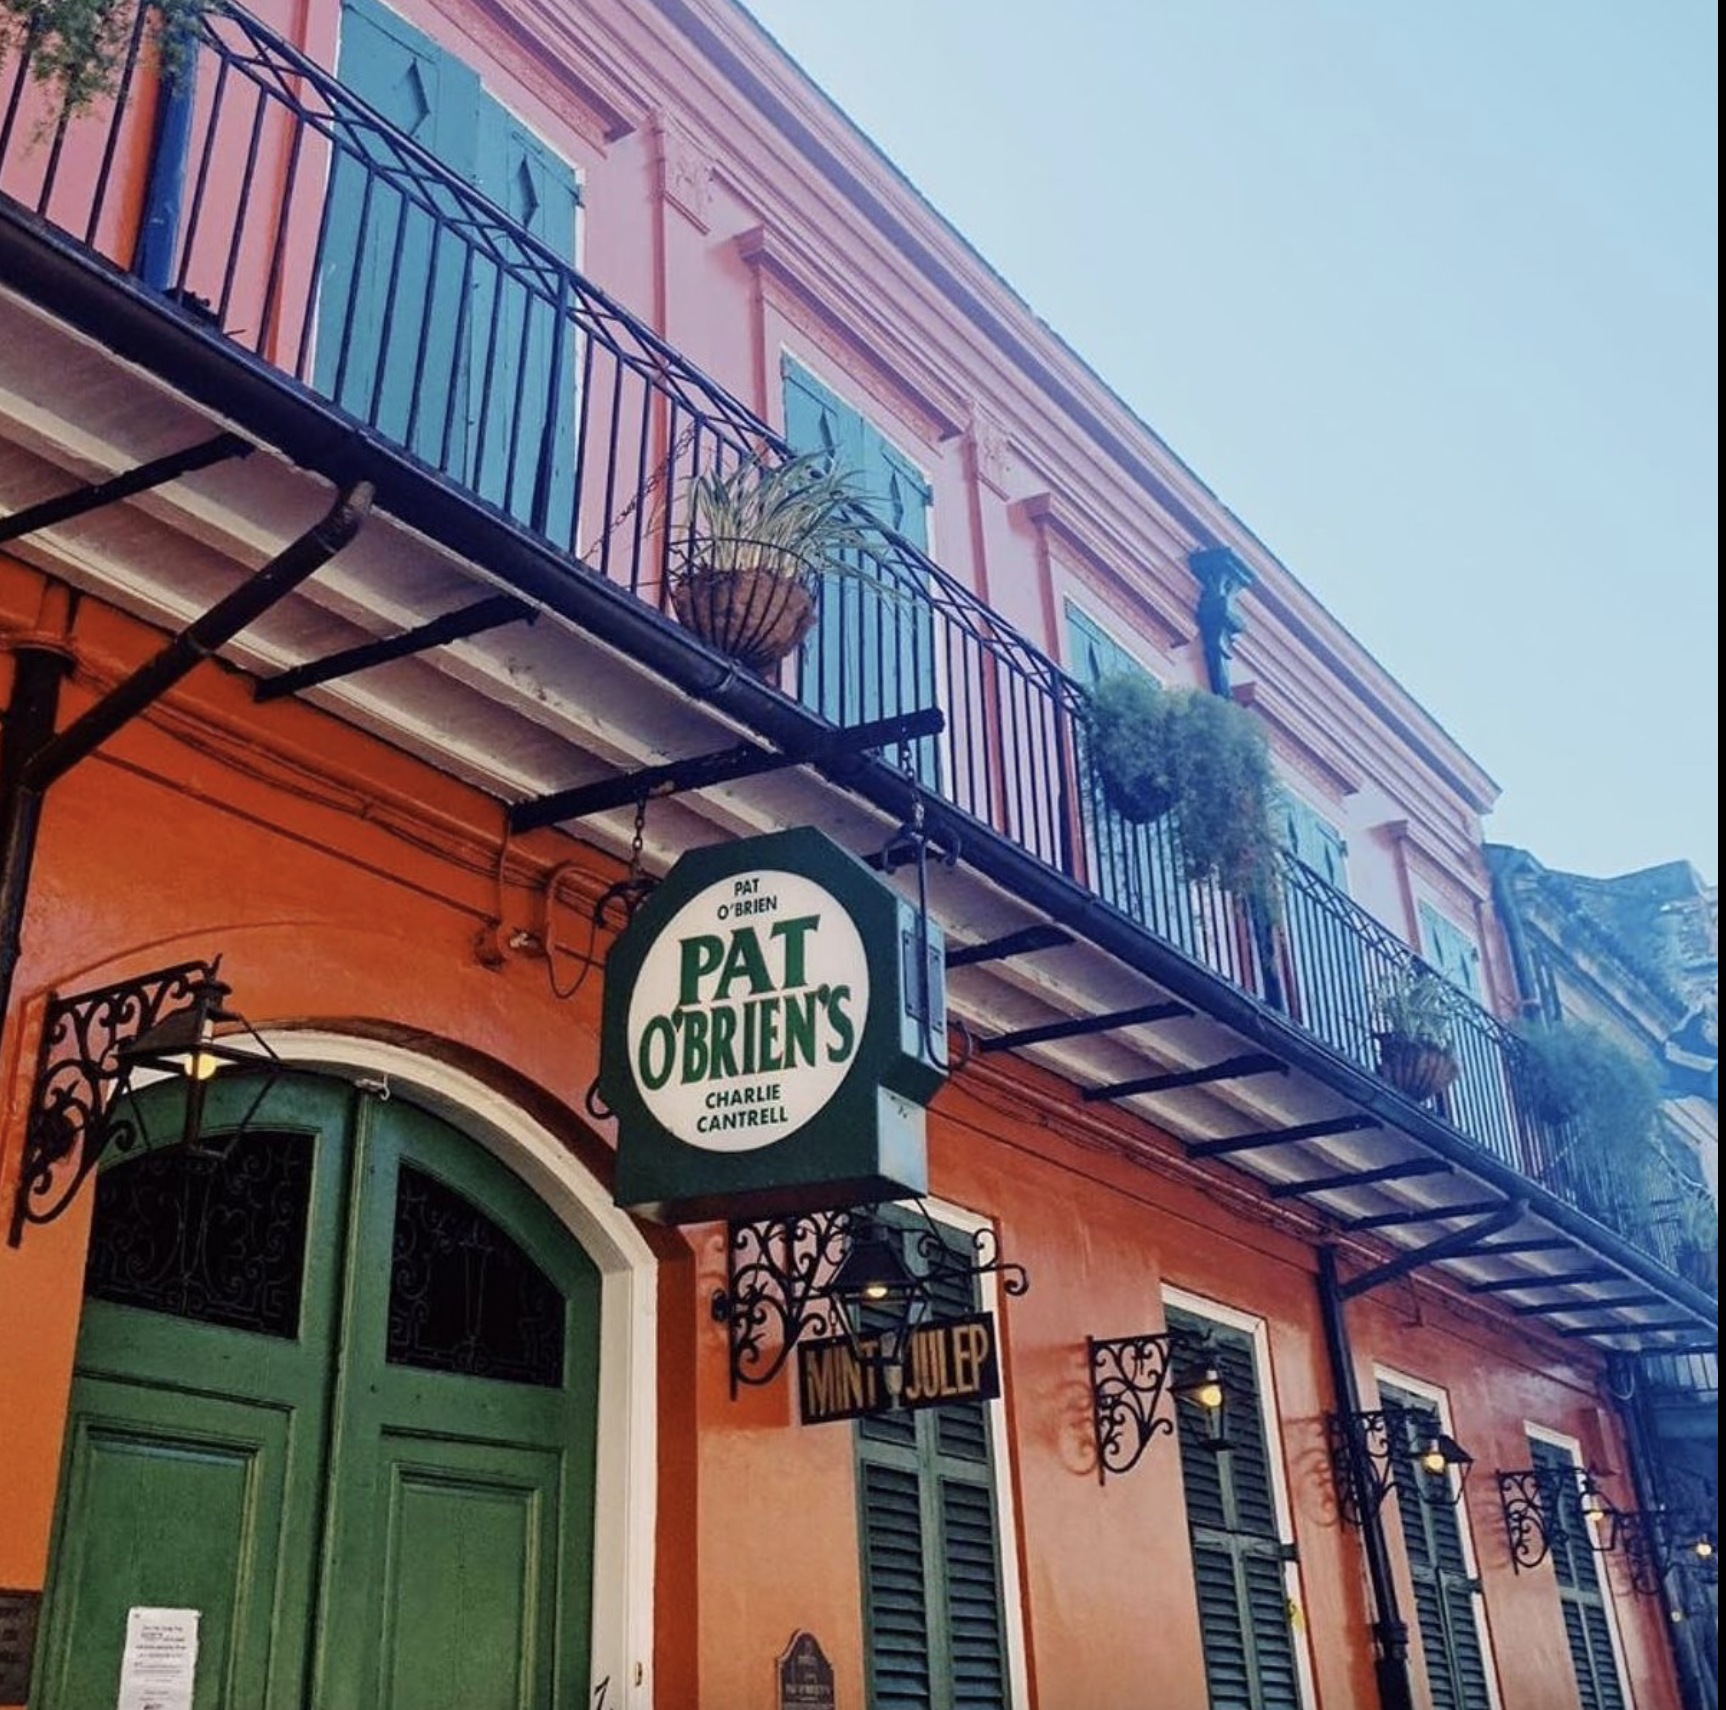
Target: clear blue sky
(1428,295)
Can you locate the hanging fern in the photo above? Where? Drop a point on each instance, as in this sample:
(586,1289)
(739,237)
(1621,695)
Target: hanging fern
(78,46)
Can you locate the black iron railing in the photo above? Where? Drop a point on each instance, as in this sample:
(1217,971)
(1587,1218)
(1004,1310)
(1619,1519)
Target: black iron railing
(265,200)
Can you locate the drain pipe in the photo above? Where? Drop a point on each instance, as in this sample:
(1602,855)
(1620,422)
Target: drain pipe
(1389,1630)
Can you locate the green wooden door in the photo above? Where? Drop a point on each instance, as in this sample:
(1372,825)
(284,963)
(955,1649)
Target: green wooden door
(335,1390)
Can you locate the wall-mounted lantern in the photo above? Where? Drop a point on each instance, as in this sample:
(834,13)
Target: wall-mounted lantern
(99,1049)
(1369,1448)
(847,1273)
(1544,1506)
(1129,1376)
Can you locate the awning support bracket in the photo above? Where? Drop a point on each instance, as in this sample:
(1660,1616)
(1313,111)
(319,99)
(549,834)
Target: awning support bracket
(1445,1247)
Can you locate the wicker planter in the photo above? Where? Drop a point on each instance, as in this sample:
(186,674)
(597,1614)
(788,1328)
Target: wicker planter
(756,616)
(1415,1066)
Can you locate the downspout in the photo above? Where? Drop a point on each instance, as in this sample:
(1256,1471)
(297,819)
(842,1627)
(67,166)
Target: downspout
(1389,1630)
(170,152)
(1528,997)
(38,669)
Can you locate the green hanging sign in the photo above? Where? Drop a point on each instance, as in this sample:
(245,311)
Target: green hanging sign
(764,1046)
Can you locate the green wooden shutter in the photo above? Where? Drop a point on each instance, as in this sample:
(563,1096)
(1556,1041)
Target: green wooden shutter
(934,1624)
(1587,1630)
(1237,1543)
(1444,1590)
(871,654)
(1450,950)
(1310,837)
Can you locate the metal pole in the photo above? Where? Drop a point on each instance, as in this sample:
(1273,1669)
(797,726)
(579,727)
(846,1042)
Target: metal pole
(1389,1630)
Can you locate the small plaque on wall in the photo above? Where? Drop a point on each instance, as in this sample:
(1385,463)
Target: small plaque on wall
(805,1676)
(18,1612)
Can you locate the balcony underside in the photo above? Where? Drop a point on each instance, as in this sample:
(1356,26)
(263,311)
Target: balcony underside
(98,375)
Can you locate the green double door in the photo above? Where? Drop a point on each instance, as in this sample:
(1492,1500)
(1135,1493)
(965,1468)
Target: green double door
(335,1391)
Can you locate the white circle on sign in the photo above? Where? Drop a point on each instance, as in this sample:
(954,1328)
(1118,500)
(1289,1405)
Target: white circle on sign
(748,1011)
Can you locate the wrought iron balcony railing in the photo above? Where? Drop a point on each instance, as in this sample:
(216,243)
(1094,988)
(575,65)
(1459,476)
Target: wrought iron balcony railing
(270,203)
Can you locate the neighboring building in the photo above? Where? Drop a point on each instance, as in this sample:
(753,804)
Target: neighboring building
(1637,957)
(388,1389)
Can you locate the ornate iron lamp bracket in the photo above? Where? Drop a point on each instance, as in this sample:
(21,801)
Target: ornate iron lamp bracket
(1537,1502)
(1366,1446)
(778,1272)
(74,1115)
(1129,1377)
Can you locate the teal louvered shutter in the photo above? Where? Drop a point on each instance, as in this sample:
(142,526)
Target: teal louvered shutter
(1444,1590)
(871,654)
(1135,867)
(934,1624)
(515,318)
(1587,1629)
(1237,1544)
(1328,974)
(390,286)
(446,347)
(1450,950)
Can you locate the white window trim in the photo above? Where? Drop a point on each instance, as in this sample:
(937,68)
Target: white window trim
(1440,1401)
(1255,1327)
(626,1453)
(968,1222)
(1608,1597)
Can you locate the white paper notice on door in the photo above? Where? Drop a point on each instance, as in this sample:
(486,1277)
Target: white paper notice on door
(161,1659)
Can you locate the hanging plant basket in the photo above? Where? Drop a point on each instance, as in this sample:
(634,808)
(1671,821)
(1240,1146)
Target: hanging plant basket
(757,616)
(1417,1067)
(1198,757)
(756,542)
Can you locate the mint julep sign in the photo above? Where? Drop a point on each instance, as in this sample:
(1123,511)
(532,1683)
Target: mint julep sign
(762,1044)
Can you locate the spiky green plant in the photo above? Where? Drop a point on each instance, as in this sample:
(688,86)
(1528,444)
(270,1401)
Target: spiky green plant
(799,519)
(77,46)
(1416,1004)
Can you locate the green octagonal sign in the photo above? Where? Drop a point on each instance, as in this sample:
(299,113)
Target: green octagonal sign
(763,1046)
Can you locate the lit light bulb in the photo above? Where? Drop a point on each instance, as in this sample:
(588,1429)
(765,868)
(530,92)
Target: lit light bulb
(875,1291)
(203,1065)
(1432,1457)
(1704,1548)
(1208,1392)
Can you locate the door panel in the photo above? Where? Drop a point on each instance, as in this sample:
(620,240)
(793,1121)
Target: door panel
(470,1574)
(499,1457)
(382,1492)
(172,1515)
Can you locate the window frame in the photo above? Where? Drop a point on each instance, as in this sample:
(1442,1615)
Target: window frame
(1572,1446)
(1002,1486)
(1439,1400)
(1264,1374)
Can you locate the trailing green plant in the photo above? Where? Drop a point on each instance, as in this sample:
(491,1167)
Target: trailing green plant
(1606,1099)
(1417,1005)
(1199,757)
(77,46)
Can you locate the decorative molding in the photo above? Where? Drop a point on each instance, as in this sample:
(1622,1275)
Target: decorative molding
(685,171)
(583,90)
(991,451)
(1056,518)
(1318,758)
(873,352)
(1442,869)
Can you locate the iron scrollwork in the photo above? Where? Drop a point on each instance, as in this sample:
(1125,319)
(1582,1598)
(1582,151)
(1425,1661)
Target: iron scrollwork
(1129,1377)
(75,1115)
(1368,1448)
(1546,1506)
(779,1271)
(776,1273)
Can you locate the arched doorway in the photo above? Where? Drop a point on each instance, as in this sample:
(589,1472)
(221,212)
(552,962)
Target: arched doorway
(336,1390)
